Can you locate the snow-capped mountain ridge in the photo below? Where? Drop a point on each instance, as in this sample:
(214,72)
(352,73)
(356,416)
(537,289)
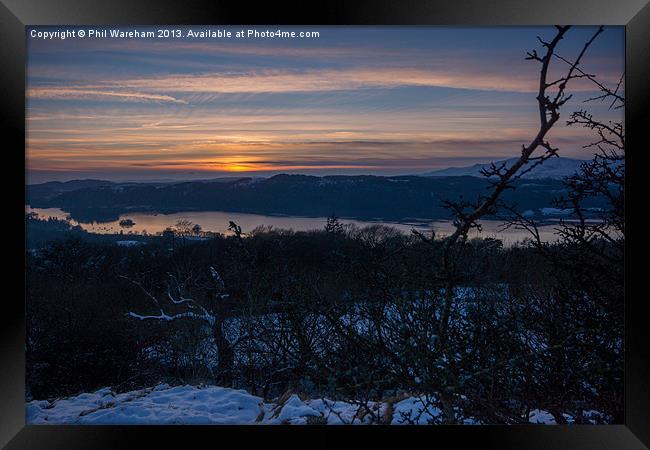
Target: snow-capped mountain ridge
(555,168)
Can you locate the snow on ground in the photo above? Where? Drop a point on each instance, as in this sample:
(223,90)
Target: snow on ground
(165,405)
(412,410)
(591,417)
(539,416)
(160,405)
(198,405)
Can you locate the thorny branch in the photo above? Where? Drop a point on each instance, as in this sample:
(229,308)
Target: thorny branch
(549,113)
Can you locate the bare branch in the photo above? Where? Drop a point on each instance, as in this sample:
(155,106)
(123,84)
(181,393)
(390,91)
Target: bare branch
(548,116)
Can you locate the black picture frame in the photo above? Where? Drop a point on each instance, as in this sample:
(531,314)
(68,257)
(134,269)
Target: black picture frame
(16,14)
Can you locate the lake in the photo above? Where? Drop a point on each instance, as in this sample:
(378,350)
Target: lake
(217,221)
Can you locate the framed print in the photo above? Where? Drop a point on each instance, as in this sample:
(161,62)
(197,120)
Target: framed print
(273,224)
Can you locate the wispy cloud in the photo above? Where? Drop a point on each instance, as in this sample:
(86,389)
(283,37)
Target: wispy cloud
(284,81)
(200,88)
(396,100)
(81,93)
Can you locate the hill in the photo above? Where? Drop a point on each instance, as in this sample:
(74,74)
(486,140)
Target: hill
(363,197)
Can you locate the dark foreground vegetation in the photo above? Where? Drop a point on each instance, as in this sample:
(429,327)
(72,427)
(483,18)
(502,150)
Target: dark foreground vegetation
(347,313)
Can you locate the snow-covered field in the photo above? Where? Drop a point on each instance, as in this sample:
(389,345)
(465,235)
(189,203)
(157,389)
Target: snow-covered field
(217,405)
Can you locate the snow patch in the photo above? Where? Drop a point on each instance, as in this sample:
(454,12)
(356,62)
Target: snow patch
(167,405)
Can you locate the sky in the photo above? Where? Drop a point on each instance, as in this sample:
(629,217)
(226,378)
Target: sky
(354,100)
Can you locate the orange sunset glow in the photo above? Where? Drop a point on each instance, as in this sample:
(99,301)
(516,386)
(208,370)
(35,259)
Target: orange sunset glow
(349,103)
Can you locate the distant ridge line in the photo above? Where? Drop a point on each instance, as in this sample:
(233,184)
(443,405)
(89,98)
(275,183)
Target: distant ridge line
(555,168)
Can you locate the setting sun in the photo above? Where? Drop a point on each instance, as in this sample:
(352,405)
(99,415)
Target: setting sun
(238,168)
